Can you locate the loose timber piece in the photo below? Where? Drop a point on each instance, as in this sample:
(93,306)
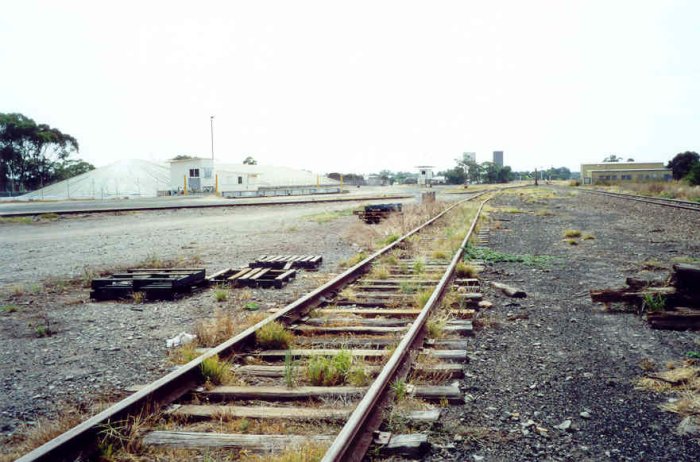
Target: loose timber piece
(410,446)
(509,291)
(679,318)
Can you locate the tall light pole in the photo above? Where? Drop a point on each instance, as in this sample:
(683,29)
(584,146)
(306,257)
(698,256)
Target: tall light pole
(211,121)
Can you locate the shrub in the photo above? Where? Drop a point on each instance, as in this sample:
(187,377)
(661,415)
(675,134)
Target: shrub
(400,389)
(354,260)
(221,295)
(390,239)
(654,302)
(422,297)
(329,370)
(274,335)
(570,233)
(216,371)
(464,270)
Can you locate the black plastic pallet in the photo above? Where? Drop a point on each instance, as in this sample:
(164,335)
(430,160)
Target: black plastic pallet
(155,283)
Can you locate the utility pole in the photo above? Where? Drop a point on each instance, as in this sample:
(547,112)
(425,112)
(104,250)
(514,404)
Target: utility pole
(211,121)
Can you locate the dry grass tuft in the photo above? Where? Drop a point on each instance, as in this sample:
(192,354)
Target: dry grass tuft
(29,437)
(465,270)
(305,453)
(571,233)
(214,331)
(682,379)
(379,272)
(274,335)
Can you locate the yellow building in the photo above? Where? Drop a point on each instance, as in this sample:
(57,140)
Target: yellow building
(616,172)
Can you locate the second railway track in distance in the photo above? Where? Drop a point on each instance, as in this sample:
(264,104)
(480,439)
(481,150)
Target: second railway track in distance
(318,375)
(673,203)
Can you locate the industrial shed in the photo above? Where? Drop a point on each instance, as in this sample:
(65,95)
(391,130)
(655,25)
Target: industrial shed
(141,178)
(617,172)
(242,180)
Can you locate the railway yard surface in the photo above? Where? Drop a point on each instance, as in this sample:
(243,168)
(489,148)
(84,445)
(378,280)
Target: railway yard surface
(550,377)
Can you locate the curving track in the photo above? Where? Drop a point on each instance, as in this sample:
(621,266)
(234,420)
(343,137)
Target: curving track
(368,317)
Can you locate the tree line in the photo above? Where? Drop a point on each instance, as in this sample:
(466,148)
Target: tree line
(469,171)
(35,155)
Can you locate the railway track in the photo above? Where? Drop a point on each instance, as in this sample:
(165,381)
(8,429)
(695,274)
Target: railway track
(322,372)
(674,203)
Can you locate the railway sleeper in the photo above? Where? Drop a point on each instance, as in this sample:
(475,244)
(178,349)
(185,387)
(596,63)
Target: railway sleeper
(410,446)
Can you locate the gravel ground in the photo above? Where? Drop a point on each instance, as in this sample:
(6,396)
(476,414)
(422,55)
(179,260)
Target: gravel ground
(554,356)
(101,348)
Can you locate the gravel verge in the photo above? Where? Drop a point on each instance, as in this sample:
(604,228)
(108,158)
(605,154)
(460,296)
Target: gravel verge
(552,376)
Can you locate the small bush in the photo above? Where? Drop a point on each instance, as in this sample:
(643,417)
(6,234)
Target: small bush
(138,297)
(571,233)
(571,241)
(354,260)
(8,308)
(274,335)
(221,295)
(391,238)
(407,287)
(290,372)
(654,302)
(380,272)
(436,327)
(422,297)
(358,377)
(400,389)
(42,331)
(183,354)
(418,266)
(588,237)
(464,270)
(216,371)
(329,370)
(440,255)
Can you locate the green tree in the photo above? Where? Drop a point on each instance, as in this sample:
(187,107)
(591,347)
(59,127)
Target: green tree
(693,175)
(70,168)
(612,158)
(682,163)
(455,175)
(250,161)
(31,152)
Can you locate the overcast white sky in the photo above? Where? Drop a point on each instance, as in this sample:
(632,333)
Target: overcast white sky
(359,86)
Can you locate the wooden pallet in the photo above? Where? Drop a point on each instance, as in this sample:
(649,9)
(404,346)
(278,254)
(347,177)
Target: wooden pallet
(287,262)
(372,214)
(254,277)
(155,283)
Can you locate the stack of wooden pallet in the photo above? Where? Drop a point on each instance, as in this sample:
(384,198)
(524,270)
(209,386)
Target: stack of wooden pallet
(286,262)
(154,283)
(373,214)
(253,277)
(673,304)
